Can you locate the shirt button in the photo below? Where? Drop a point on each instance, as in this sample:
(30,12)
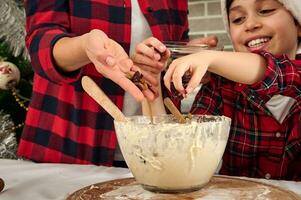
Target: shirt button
(278,135)
(267,176)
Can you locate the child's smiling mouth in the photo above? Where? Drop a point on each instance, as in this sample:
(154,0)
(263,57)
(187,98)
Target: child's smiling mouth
(257,43)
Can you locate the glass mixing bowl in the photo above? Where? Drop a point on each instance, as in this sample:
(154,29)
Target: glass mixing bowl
(165,156)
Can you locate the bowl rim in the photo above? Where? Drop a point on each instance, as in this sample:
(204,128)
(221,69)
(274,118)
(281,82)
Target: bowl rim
(223,119)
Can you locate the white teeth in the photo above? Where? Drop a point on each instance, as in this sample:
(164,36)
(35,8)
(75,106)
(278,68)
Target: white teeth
(257,42)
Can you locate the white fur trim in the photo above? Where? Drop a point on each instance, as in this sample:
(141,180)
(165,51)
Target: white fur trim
(294,6)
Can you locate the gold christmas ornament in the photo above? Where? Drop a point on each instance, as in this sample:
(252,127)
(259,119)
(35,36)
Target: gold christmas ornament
(18,99)
(9,75)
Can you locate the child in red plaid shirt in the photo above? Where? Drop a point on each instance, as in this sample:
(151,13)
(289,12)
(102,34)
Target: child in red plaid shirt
(258,86)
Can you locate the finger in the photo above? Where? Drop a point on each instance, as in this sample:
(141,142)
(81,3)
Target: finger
(144,60)
(165,56)
(152,47)
(195,79)
(177,76)
(210,40)
(164,53)
(150,69)
(149,95)
(101,57)
(149,78)
(106,71)
(156,44)
(154,90)
(129,86)
(213,40)
(147,51)
(168,75)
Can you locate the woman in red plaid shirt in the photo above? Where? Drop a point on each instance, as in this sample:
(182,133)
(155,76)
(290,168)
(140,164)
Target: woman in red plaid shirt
(69,39)
(258,86)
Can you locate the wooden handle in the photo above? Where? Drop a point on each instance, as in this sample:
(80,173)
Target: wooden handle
(173,109)
(102,99)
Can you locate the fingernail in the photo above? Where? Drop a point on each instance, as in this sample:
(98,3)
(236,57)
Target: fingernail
(110,61)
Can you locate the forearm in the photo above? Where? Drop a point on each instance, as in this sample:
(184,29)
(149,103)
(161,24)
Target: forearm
(246,68)
(69,53)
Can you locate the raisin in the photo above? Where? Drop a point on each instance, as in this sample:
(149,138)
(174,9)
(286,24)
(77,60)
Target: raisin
(139,81)
(185,79)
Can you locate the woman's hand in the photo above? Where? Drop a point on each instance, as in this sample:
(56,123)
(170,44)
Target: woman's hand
(151,56)
(211,41)
(112,61)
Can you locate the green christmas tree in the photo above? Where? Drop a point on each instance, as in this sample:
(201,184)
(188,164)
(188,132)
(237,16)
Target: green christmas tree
(15,95)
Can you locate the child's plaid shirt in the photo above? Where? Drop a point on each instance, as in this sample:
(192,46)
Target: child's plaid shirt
(258,145)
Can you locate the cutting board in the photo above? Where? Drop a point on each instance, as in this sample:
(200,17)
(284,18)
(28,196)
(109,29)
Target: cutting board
(219,188)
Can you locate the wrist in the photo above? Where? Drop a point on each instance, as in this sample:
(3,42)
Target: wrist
(210,60)
(83,39)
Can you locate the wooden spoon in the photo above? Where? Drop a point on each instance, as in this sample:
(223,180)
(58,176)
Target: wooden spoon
(102,99)
(147,110)
(173,109)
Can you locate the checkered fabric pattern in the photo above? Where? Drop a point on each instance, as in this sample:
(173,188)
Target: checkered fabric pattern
(63,124)
(258,144)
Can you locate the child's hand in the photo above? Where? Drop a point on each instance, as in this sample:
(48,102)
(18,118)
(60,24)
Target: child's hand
(196,63)
(112,62)
(175,76)
(151,55)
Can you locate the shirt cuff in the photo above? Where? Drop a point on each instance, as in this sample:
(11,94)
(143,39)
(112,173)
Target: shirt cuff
(47,64)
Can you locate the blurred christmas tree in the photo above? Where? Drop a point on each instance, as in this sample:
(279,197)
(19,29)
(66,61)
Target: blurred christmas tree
(14,92)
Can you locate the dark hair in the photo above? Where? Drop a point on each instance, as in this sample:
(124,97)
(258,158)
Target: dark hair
(228,4)
(299,37)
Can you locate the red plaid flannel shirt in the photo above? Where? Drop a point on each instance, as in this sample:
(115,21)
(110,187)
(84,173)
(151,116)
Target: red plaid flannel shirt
(258,145)
(63,124)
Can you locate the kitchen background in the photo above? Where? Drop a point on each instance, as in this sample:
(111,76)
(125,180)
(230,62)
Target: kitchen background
(205,19)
